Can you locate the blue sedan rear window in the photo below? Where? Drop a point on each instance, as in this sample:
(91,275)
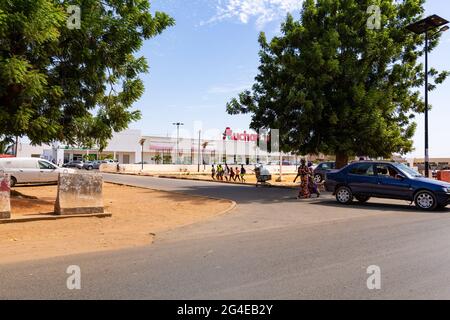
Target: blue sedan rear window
(362,169)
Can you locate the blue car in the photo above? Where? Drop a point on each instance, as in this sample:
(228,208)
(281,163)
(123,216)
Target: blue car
(382,179)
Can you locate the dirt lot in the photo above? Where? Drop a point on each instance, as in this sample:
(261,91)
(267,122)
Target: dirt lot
(138,214)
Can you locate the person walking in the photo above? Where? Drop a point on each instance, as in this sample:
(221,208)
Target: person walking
(242,172)
(219,172)
(232,174)
(237,174)
(303,172)
(312,185)
(226,172)
(213,172)
(298,173)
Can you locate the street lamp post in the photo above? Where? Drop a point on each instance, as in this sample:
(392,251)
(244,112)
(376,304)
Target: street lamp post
(142,142)
(178,124)
(420,27)
(198,151)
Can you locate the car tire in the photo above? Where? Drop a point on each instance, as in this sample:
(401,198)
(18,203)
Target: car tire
(362,199)
(90,167)
(318,178)
(425,200)
(344,195)
(12,182)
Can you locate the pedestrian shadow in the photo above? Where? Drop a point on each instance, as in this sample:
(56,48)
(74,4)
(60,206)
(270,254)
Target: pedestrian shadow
(402,206)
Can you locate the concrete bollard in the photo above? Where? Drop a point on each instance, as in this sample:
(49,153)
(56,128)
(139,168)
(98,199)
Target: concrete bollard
(79,193)
(5,197)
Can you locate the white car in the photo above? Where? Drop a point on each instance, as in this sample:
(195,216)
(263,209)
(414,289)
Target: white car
(31,170)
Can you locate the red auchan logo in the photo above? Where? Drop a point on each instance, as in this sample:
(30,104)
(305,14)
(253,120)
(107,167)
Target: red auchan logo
(244,136)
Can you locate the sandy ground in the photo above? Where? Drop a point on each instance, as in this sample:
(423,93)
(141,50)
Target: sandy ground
(138,215)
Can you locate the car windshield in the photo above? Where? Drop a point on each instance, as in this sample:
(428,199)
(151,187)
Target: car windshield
(407,170)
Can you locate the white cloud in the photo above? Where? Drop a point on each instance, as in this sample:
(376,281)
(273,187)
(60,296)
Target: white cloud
(263,11)
(229,88)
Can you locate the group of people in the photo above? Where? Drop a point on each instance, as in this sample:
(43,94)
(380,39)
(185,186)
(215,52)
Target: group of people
(307,184)
(228,173)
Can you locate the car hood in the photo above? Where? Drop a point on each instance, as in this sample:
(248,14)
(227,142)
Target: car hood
(435,182)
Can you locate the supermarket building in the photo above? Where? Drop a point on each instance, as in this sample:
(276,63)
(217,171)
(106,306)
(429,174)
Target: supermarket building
(228,146)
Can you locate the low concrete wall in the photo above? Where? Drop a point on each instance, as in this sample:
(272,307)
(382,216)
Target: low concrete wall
(444,175)
(79,193)
(192,169)
(5,194)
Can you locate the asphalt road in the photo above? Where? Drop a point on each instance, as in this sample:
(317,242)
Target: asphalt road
(271,246)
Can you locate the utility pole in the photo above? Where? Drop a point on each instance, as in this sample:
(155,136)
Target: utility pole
(424,26)
(199,133)
(16,146)
(142,142)
(178,124)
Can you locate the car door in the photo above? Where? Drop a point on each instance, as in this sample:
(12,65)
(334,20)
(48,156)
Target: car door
(391,183)
(27,171)
(361,178)
(47,171)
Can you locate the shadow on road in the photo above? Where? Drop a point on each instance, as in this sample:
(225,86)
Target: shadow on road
(377,206)
(242,194)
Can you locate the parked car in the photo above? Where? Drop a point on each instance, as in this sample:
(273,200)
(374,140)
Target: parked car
(110,161)
(321,170)
(363,180)
(74,164)
(90,165)
(31,170)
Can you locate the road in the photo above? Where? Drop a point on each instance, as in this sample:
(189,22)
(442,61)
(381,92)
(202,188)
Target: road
(271,246)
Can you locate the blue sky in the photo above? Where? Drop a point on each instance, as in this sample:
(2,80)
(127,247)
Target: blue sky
(211,54)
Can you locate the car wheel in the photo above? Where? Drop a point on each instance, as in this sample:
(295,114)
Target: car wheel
(344,195)
(362,199)
(317,178)
(90,168)
(12,182)
(425,200)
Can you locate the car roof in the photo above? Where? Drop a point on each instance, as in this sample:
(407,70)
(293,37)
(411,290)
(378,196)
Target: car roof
(375,162)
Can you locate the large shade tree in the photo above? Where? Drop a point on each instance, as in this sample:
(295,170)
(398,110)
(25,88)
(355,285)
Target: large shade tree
(333,84)
(74,85)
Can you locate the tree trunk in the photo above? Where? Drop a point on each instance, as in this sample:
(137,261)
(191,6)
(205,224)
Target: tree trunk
(341,159)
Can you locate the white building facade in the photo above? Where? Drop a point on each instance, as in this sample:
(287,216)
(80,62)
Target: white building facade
(228,147)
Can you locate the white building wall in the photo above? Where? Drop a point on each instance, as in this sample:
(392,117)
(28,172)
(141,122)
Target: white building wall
(27,150)
(126,142)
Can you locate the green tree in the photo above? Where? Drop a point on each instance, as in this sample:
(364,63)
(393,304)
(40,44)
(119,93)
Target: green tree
(333,85)
(72,85)
(157,158)
(6,144)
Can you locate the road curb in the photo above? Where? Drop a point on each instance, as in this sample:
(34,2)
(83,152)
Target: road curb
(54,217)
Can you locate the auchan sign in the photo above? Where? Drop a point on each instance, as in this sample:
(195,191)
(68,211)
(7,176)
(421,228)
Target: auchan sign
(239,136)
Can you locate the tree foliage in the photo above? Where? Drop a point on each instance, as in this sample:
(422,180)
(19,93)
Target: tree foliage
(72,85)
(6,144)
(333,85)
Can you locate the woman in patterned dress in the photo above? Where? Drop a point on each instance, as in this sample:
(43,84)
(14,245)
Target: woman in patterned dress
(303,171)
